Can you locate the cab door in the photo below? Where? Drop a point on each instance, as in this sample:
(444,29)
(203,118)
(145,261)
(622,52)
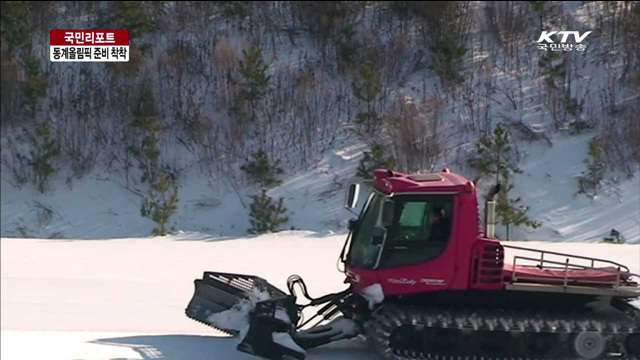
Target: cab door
(419,252)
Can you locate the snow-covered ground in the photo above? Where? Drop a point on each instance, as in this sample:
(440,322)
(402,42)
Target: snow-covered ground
(125,298)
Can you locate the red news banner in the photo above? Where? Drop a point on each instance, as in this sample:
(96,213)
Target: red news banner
(89,45)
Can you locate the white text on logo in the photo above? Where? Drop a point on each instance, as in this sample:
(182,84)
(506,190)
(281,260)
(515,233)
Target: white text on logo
(546,36)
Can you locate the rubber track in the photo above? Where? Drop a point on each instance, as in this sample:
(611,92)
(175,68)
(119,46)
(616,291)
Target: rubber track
(387,317)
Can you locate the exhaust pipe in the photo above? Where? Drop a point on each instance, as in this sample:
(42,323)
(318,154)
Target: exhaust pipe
(490,213)
(490,219)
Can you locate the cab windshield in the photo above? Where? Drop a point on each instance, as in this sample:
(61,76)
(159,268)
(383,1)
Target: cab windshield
(362,253)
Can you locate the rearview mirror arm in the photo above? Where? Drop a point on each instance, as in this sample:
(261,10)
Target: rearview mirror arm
(351,211)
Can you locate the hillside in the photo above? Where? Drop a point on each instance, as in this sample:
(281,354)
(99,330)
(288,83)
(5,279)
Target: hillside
(98,208)
(315,87)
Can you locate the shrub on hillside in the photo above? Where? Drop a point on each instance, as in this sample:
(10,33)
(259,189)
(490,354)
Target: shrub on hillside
(347,47)
(149,129)
(510,211)
(493,155)
(590,180)
(36,85)
(43,150)
(266,215)
(134,16)
(15,30)
(255,80)
(376,158)
(442,26)
(367,87)
(263,171)
(324,18)
(161,202)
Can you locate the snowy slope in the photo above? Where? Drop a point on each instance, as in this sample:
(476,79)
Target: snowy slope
(548,185)
(100,207)
(125,298)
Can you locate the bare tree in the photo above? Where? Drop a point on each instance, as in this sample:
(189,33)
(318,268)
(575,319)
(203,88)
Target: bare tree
(508,22)
(418,132)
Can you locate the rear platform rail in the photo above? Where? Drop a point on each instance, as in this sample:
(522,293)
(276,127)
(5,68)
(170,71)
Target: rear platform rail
(560,270)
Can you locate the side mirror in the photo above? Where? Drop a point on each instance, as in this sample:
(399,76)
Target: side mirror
(377,235)
(352,196)
(387,212)
(353,223)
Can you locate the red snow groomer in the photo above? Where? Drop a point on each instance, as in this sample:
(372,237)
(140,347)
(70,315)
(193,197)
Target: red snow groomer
(425,283)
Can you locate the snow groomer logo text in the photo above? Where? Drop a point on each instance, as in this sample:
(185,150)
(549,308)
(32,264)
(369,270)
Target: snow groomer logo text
(546,41)
(405,281)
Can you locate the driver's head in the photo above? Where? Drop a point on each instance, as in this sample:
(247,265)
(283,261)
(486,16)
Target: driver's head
(437,213)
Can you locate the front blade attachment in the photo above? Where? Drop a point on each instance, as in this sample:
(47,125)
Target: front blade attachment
(272,315)
(271,331)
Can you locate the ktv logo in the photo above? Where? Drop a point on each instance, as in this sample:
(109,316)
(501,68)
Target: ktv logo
(546,41)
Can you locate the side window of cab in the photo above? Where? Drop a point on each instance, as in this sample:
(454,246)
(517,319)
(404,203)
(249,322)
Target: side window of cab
(420,231)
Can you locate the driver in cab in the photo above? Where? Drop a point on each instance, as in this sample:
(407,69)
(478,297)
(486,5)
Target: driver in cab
(440,226)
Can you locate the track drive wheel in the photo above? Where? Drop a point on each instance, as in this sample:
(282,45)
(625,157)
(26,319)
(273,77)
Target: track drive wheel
(589,345)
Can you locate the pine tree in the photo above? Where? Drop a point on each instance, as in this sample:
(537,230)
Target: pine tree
(374,159)
(44,149)
(161,202)
(366,87)
(133,15)
(255,78)
(544,9)
(510,211)
(589,182)
(553,69)
(145,119)
(266,216)
(449,53)
(492,155)
(492,158)
(36,85)
(261,171)
(16,31)
(346,46)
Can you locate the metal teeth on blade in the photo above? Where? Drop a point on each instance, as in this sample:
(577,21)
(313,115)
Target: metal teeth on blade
(209,325)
